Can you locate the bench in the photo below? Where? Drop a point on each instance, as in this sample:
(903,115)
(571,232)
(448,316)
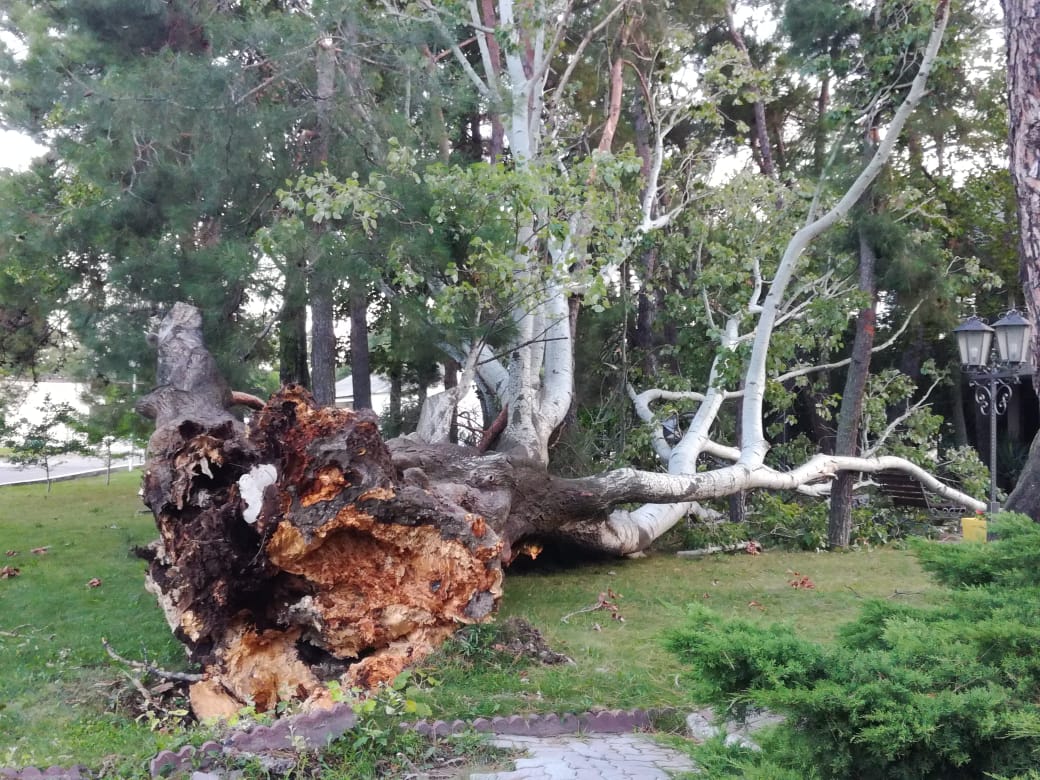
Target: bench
(905,491)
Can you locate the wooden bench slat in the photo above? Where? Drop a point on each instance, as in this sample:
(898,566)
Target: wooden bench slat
(906,491)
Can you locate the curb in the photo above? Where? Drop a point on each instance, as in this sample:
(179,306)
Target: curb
(309,730)
(69,477)
(549,725)
(314,730)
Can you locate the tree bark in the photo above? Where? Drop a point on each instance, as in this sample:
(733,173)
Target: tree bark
(761,129)
(646,300)
(321,280)
(323,336)
(839,523)
(292,328)
(1022,33)
(360,364)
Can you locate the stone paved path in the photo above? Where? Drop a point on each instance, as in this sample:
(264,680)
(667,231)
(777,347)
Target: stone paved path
(591,757)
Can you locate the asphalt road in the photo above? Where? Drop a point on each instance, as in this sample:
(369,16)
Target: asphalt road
(63,467)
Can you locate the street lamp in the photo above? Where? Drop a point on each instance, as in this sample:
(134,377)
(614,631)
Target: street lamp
(992,380)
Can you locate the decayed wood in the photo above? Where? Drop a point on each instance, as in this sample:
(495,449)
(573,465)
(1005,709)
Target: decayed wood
(292,553)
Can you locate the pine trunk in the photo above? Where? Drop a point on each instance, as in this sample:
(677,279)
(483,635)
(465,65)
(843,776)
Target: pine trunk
(360,366)
(1022,29)
(839,523)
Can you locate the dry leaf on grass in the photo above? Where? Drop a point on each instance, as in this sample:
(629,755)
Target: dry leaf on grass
(800,581)
(94,582)
(6,572)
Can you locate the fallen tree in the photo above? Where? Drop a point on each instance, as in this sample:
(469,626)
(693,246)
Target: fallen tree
(292,552)
(303,548)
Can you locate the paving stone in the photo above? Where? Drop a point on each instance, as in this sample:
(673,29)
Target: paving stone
(700,725)
(558,770)
(594,757)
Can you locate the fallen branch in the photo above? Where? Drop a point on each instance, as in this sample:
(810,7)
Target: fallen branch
(712,549)
(149,702)
(602,603)
(246,399)
(146,667)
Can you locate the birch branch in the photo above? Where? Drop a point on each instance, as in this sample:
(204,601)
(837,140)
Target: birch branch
(755,384)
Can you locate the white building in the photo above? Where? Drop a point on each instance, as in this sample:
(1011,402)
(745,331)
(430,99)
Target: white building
(380,393)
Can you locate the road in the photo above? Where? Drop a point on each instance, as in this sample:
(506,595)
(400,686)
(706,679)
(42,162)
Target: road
(63,467)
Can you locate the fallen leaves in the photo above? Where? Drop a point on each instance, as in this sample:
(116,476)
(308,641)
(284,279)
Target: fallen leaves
(11,553)
(94,582)
(753,547)
(40,550)
(800,581)
(7,572)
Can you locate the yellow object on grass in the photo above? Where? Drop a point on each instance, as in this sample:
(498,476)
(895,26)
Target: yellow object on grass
(973,529)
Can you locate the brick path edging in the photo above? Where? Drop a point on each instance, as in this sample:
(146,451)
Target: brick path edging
(314,730)
(550,725)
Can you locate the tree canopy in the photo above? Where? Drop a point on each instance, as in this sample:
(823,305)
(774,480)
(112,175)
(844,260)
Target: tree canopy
(619,211)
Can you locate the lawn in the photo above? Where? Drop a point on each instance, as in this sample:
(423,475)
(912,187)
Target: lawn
(622,663)
(60,697)
(63,702)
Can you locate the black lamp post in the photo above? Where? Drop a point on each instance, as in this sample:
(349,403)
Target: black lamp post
(992,380)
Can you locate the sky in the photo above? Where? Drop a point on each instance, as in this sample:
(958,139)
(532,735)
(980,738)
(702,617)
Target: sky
(16,150)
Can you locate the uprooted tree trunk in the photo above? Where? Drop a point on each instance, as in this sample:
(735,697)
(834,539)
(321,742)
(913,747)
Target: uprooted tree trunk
(291,552)
(303,549)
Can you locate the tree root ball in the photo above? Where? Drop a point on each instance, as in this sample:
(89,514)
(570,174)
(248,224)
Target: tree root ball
(292,553)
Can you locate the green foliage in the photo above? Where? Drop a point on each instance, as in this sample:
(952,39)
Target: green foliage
(905,692)
(1010,560)
(718,760)
(777,520)
(963,466)
(39,442)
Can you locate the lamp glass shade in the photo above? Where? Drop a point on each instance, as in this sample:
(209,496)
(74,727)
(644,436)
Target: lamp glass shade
(974,339)
(1013,337)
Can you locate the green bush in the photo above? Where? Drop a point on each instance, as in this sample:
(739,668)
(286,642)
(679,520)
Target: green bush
(799,524)
(948,691)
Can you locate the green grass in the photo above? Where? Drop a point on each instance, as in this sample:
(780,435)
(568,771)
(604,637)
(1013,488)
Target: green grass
(59,694)
(624,664)
(63,702)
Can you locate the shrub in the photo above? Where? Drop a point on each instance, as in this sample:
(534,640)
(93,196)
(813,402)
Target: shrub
(947,691)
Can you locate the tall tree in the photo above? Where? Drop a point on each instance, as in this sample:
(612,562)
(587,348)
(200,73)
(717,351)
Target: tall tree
(1022,32)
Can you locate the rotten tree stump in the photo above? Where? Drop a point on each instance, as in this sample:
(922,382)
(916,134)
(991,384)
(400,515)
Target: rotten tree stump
(292,552)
